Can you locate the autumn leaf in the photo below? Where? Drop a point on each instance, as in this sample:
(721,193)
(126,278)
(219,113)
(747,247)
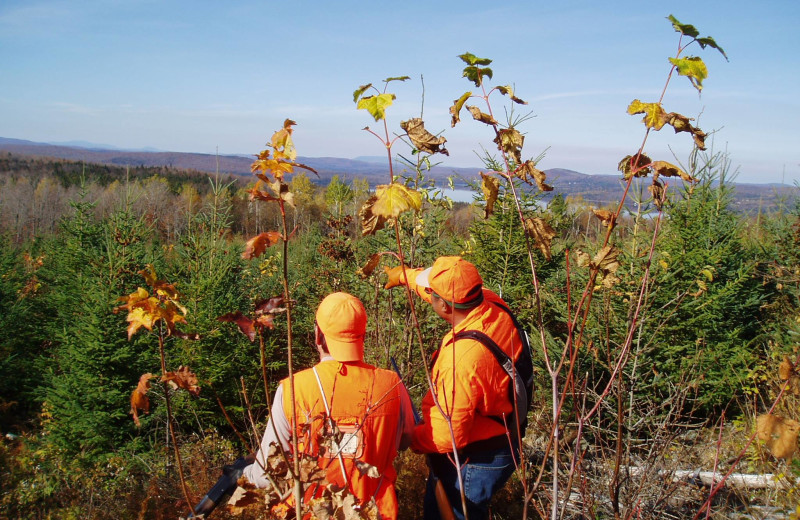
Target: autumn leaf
(245,496)
(376,105)
(606,259)
(455,110)
(491,188)
(394,199)
(682,123)
(693,68)
(257,194)
(510,141)
(630,166)
(508,91)
(605,216)
(665,169)
(396,277)
(370,222)
(245,324)
(256,246)
(527,170)
(145,314)
(265,321)
(360,92)
(582,259)
(479,116)
(423,140)
(541,233)
(658,193)
(779,434)
(273,305)
(182,378)
(654,116)
(139,399)
(367,469)
(786,369)
(366,270)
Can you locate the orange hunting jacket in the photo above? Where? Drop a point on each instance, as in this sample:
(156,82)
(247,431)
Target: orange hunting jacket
(369,402)
(470,384)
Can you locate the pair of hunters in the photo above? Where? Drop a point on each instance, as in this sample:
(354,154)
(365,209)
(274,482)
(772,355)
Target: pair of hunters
(472,417)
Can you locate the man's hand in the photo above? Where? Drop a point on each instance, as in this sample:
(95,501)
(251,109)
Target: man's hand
(396,276)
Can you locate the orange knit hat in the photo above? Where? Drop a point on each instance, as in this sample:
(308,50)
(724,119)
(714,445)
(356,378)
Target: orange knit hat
(342,319)
(454,280)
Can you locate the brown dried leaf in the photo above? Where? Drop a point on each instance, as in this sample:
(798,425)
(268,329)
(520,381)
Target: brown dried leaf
(455,110)
(423,140)
(638,168)
(666,169)
(606,260)
(491,188)
(658,193)
(786,370)
(779,434)
(366,270)
(482,117)
(541,233)
(582,259)
(606,217)
(681,124)
(510,141)
(272,305)
(246,496)
(256,246)
(527,170)
(245,324)
(139,399)
(182,378)
(370,222)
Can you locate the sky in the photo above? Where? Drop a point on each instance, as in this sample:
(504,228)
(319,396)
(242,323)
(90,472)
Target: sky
(221,77)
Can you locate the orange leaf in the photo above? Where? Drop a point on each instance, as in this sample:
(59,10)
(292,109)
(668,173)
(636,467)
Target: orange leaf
(258,244)
(139,399)
(182,378)
(779,434)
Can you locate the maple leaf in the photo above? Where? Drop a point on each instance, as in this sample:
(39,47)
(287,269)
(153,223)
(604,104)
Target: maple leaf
(682,123)
(455,110)
(605,216)
(658,193)
(693,68)
(360,92)
(510,141)
(245,324)
(258,244)
(481,117)
(145,314)
(631,167)
(376,105)
(476,68)
(182,378)
(364,271)
(139,399)
(282,140)
(606,259)
(779,434)
(394,199)
(665,169)
(370,222)
(654,116)
(491,188)
(527,170)
(395,275)
(541,233)
(257,194)
(272,305)
(423,140)
(692,32)
(508,91)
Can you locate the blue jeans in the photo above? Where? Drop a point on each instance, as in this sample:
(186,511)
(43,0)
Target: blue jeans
(483,474)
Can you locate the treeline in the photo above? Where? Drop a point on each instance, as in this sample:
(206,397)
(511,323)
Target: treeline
(720,314)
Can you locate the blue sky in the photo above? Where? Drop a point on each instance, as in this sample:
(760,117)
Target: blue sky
(203,76)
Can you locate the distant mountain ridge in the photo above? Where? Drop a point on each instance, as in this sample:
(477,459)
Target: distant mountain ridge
(598,190)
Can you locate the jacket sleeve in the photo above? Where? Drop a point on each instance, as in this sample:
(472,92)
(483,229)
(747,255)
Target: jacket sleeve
(455,393)
(277,424)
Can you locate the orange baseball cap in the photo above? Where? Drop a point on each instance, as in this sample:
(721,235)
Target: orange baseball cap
(454,280)
(342,319)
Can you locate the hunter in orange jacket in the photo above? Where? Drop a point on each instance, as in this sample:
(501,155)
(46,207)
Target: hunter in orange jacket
(471,386)
(369,406)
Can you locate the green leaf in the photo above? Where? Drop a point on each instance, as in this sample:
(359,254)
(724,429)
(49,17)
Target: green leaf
(376,105)
(396,78)
(693,68)
(708,41)
(476,74)
(688,30)
(471,59)
(360,91)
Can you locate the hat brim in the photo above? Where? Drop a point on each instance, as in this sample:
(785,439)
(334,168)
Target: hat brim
(345,351)
(422,278)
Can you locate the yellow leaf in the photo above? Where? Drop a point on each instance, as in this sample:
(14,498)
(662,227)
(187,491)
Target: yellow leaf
(491,188)
(455,110)
(376,105)
(693,68)
(654,116)
(394,199)
(664,265)
(282,141)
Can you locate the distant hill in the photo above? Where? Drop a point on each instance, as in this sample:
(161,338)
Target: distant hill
(598,190)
